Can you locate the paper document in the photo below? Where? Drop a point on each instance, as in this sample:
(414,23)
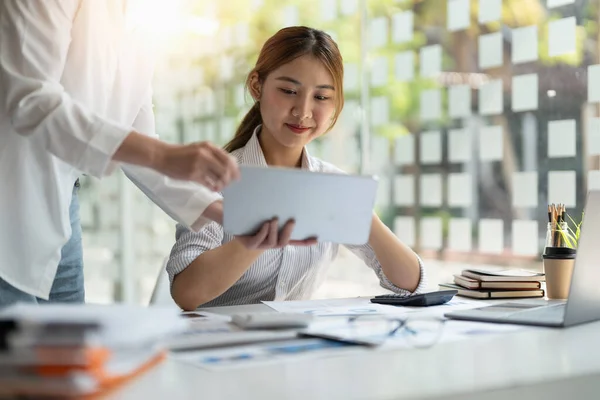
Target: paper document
(104,324)
(334,322)
(425,331)
(455,331)
(214,333)
(457,303)
(333,307)
(264,353)
(363,305)
(80,350)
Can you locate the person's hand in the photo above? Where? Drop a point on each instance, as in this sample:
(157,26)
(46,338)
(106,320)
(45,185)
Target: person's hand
(200,162)
(269,237)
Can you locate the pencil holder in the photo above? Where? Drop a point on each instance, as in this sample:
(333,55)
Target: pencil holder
(554,234)
(558,270)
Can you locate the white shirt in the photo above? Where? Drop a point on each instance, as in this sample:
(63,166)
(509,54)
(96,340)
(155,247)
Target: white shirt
(75,79)
(288,273)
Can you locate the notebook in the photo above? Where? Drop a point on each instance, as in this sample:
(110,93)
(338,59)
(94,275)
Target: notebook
(470,283)
(515,275)
(493,294)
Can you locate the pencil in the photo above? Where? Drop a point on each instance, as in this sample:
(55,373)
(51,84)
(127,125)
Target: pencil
(558,225)
(555,237)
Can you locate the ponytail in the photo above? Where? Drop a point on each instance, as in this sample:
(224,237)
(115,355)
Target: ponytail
(246,129)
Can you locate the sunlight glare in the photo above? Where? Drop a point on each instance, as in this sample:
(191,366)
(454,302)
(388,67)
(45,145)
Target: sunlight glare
(165,19)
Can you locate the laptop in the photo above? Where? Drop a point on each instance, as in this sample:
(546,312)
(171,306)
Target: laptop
(333,207)
(583,304)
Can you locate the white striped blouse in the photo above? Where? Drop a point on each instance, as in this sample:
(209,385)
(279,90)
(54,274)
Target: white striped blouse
(289,273)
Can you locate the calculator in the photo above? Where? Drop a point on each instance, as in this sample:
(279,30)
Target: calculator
(416,300)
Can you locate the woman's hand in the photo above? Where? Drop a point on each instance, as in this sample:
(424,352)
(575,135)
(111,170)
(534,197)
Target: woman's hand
(269,237)
(200,162)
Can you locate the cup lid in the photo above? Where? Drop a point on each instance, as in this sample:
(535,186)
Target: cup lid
(559,252)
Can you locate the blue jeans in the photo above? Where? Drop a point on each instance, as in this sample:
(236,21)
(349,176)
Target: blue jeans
(68,282)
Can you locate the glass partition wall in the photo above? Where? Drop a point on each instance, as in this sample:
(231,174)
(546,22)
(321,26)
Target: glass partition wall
(475,114)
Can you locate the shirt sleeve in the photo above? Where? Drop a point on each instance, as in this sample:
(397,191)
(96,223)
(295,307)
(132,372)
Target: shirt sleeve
(181,200)
(365,252)
(34,42)
(189,245)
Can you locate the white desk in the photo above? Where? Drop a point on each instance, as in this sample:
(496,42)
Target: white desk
(534,364)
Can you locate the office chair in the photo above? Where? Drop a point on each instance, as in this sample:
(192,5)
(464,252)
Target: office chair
(161,294)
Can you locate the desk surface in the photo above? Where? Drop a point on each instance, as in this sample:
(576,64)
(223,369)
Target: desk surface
(544,363)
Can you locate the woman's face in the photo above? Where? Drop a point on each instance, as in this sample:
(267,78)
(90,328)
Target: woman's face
(297,101)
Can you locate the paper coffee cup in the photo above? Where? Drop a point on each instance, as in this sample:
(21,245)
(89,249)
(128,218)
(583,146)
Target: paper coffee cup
(558,268)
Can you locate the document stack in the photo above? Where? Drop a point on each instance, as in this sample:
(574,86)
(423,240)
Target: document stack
(63,350)
(484,284)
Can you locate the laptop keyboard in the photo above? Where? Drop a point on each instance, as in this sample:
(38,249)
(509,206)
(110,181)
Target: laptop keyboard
(552,313)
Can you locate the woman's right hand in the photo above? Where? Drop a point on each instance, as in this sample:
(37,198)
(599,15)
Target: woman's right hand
(200,162)
(269,237)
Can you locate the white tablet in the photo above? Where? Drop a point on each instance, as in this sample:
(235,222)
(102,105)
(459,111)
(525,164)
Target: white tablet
(332,207)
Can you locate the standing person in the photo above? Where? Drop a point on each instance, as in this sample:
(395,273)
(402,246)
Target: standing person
(75,97)
(297,88)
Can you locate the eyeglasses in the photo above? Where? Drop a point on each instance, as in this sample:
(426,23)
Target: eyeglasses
(376,330)
(421,332)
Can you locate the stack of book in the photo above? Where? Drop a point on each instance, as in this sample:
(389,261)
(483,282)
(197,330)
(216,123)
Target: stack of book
(67,350)
(484,284)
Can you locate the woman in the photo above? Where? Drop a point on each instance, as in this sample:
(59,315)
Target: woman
(297,88)
(76,98)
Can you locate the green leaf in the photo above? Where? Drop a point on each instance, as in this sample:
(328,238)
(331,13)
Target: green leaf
(572,220)
(566,238)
